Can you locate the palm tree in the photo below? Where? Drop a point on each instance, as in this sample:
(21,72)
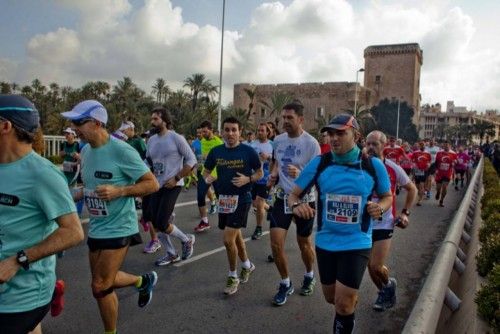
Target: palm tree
(278,101)
(197,84)
(482,128)
(161,90)
(251,95)
(439,131)
(5,87)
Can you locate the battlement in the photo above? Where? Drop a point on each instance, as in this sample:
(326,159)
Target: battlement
(376,50)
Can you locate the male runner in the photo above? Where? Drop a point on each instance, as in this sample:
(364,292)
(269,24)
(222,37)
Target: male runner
(432,149)
(293,149)
(422,161)
(260,192)
(172,159)
(344,235)
(113,174)
(34,225)
(70,152)
(383,229)
(128,128)
(445,161)
(461,167)
(238,165)
(394,152)
(208,142)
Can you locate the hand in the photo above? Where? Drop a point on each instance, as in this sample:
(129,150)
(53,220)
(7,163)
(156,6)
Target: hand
(263,156)
(172,182)
(403,221)
(8,268)
(272,180)
(240,180)
(108,192)
(76,156)
(374,210)
(210,179)
(293,171)
(304,211)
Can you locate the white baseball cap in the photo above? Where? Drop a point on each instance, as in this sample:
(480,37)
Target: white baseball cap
(126,125)
(70,131)
(87,109)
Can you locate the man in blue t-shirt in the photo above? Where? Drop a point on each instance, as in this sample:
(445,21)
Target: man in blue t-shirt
(113,174)
(344,234)
(34,225)
(238,166)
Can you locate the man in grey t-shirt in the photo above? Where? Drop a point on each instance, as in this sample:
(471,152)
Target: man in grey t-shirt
(172,159)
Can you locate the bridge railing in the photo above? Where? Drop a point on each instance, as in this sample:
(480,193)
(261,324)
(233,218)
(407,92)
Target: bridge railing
(52,145)
(426,313)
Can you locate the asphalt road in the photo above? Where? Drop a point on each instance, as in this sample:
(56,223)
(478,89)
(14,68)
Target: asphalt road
(189,297)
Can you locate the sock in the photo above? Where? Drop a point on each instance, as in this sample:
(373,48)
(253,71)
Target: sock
(204,219)
(139,282)
(110,332)
(286,281)
(309,274)
(246,264)
(179,234)
(343,324)
(232,273)
(167,244)
(212,202)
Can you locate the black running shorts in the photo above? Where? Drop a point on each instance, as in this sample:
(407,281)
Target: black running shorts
(382,234)
(113,243)
(283,220)
(347,267)
(260,190)
(22,322)
(161,206)
(237,219)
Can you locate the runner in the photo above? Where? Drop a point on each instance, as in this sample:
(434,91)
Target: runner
(128,128)
(394,152)
(345,181)
(260,192)
(432,149)
(113,174)
(70,152)
(34,225)
(422,161)
(208,142)
(461,167)
(292,151)
(238,165)
(172,159)
(383,229)
(445,161)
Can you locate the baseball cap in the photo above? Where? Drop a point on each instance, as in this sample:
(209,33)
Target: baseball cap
(70,131)
(20,111)
(126,125)
(341,122)
(87,109)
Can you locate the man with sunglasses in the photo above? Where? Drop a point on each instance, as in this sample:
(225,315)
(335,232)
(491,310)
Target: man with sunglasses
(34,225)
(113,174)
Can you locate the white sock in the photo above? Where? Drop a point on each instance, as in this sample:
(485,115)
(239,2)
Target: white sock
(204,219)
(309,274)
(286,281)
(246,264)
(167,243)
(233,273)
(212,202)
(179,234)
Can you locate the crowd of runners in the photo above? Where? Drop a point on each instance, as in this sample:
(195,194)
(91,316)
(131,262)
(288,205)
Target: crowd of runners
(344,182)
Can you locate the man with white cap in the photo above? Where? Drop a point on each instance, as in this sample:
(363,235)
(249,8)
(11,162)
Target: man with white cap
(70,152)
(34,225)
(113,174)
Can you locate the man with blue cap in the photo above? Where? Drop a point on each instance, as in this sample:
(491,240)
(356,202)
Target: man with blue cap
(113,174)
(34,225)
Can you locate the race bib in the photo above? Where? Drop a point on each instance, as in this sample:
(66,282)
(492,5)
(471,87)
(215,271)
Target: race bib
(444,166)
(306,199)
(343,209)
(96,206)
(419,172)
(228,203)
(68,166)
(158,168)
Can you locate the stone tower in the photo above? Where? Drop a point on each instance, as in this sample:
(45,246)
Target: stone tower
(393,71)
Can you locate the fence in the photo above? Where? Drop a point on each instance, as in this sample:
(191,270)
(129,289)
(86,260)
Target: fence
(425,315)
(52,145)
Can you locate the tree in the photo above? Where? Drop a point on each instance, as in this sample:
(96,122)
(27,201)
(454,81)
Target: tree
(386,114)
(5,88)
(161,90)
(439,131)
(251,95)
(278,101)
(482,128)
(364,117)
(197,84)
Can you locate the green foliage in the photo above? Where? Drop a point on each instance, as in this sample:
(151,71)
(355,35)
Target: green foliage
(489,227)
(489,254)
(385,115)
(55,159)
(488,299)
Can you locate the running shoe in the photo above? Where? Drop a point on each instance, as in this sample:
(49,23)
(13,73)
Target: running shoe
(441,204)
(245,273)
(283,292)
(379,303)
(152,246)
(390,293)
(231,285)
(257,233)
(146,289)
(202,226)
(187,247)
(167,259)
(308,286)
(57,303)
(213,209)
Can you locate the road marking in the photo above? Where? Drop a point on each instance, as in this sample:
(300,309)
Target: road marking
(211,252)
(178,205)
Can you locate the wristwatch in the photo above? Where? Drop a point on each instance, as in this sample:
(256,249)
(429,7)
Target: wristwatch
(177,178)
(22,259)
(296,204)
(405,212)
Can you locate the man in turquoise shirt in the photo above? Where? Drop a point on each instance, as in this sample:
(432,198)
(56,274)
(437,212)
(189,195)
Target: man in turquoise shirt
(34,225)
(113,174)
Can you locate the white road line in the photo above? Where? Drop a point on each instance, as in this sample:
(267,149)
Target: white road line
(178,205)
(203,255)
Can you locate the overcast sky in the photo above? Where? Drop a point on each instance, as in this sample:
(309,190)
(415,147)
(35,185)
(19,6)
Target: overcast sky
(72,42)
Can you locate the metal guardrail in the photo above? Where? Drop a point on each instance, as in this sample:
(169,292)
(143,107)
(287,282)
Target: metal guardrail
(425,315)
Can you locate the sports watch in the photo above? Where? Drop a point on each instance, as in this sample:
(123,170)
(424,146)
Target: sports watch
(22,259)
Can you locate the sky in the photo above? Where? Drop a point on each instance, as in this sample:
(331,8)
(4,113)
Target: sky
(289,41)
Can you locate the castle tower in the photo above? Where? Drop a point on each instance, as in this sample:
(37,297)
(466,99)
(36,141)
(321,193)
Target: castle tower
(393,71)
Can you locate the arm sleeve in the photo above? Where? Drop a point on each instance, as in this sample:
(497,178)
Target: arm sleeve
(308,173)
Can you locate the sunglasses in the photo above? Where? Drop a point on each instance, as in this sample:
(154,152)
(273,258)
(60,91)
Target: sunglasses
(80,122)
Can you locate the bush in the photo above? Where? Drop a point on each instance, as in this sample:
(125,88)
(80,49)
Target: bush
(492,206)
(55,159)
(488,299)
(490,226)
(489,254)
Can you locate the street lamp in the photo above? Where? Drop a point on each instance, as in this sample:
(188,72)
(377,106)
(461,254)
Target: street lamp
(219,111)
(356,91)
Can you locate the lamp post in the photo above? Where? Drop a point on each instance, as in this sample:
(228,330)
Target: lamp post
(219,110)
(356,91)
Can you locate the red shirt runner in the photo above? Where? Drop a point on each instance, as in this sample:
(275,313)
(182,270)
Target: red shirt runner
(444,164)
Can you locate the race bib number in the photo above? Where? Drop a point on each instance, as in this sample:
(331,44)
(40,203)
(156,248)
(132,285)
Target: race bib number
(68,166)
(96,206)
(306,199)
(444,166)
(158,168)
(343,209)
(419,172)
(228,203)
